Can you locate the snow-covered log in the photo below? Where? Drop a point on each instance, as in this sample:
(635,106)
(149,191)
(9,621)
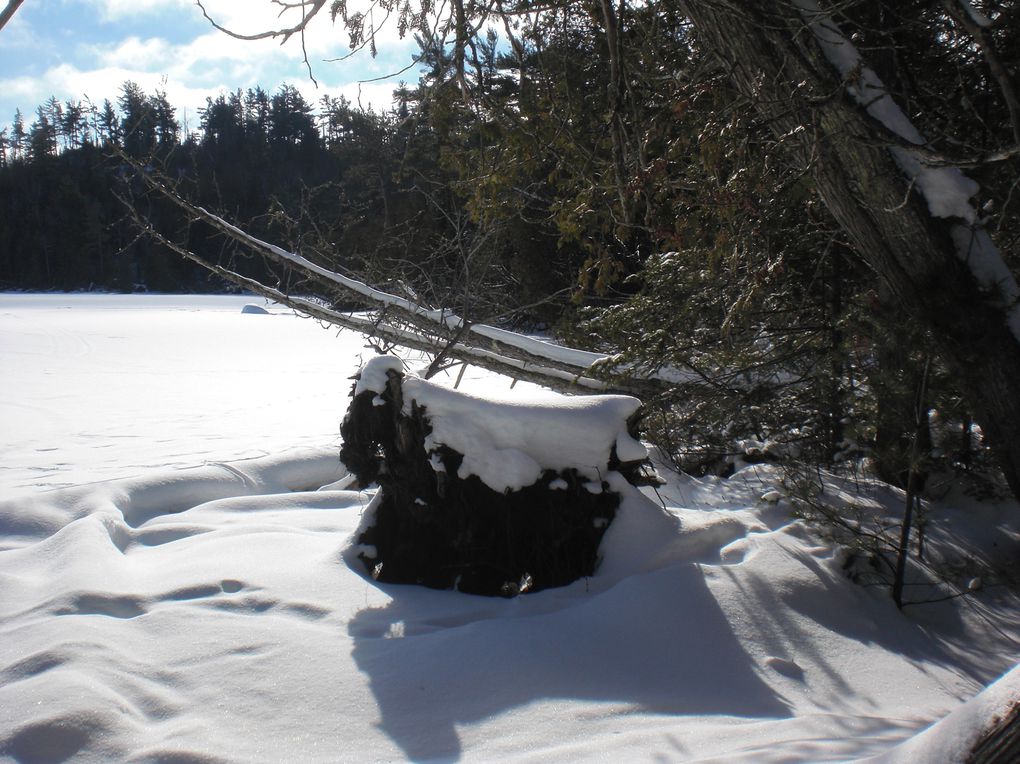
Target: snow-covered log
(1000,742)
(480,495)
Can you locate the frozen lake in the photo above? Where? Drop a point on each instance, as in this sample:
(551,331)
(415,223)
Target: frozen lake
(94,387)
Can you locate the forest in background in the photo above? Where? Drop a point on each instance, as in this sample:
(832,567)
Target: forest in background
(594,171)
(255,157)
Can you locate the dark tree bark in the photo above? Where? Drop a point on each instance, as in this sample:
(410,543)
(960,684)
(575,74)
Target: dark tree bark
(8,12)
(1000,743)
(775,61)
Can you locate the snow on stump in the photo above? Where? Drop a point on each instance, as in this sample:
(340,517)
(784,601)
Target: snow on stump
(484,496)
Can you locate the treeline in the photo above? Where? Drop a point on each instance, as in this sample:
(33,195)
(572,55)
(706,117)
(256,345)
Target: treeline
(63,223)
(67,193)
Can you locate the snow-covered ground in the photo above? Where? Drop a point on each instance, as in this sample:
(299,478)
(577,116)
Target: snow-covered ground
(174,588)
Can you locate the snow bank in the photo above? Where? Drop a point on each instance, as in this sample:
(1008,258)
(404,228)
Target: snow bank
(954,737)
(157,622)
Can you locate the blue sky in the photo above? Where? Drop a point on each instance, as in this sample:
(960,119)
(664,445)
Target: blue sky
(77,48)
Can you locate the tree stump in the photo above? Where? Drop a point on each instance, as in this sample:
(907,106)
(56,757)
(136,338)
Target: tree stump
(439,524)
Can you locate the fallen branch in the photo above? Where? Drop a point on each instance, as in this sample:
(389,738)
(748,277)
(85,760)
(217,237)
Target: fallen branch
(403,322)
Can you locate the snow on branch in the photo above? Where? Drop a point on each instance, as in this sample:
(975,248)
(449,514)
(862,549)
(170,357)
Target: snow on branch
(946,190)
(402,321)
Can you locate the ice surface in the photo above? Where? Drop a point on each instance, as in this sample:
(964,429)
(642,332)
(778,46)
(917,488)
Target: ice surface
(97,387)
(211,614)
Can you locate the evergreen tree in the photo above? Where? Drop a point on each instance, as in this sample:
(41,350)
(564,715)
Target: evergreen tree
(109,125)
(18,136)
(290,119)
(73,125)
(42,136)
(137,122)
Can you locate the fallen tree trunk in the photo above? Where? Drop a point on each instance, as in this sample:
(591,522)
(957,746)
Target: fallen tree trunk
(1000,743)
(402,321)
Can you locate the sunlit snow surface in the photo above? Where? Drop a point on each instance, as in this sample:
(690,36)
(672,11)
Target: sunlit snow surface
(186,602)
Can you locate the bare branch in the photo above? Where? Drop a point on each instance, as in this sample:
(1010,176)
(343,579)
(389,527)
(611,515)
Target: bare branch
(962,14)
(7,13)
(309,9)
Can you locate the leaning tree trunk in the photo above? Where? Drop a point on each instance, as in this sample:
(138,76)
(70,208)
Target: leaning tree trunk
(776,61)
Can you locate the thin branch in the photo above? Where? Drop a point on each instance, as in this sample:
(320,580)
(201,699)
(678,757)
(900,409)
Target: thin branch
(983,37)
(7,13)
(308,9)
(286,33)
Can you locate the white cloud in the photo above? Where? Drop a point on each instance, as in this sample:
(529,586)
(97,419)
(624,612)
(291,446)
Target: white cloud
(213,62)
(322,39)
(68,82)
(135,53)
(377,96)
(114,10)
(187,93)
(215,55)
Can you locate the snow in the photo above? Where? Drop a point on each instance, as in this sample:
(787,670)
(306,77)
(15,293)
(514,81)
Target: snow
(582,359)
(190,591)
(508,442)
(97,387)
(374,374)
(953,737)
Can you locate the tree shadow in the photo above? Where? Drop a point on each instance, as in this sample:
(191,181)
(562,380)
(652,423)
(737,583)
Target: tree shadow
(657,642)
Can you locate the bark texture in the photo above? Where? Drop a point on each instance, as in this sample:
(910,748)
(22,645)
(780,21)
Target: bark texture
(775,61)
(1000,743)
